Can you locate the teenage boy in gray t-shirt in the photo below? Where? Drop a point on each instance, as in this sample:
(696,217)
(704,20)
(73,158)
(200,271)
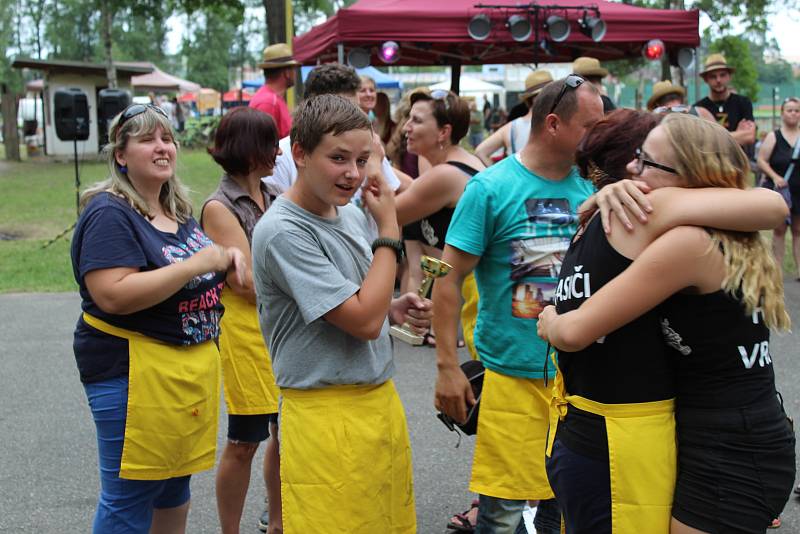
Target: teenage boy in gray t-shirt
(324,292)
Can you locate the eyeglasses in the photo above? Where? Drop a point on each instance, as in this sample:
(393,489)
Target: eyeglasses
(641,162)
(573,81)
(682,108)
(138,109)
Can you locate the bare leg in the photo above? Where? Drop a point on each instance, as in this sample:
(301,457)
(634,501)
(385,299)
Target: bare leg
(779,244)
(676,527)
(796,244)
(272,479)
(233,479)
(170,520)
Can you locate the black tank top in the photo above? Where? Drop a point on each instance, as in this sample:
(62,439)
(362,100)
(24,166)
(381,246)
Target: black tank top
(630,365)
(722,352)
(433,228)
(780,159)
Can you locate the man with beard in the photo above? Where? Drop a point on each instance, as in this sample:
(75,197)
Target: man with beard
(731,110)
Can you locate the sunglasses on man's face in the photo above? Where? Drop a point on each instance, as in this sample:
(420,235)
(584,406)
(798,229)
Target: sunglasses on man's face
(573,81)
(642,162)
(680,108)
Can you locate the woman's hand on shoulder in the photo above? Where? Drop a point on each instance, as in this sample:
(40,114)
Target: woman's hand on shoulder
(620,198)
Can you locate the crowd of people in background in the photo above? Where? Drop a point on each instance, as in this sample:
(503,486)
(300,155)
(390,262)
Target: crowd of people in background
(606,271)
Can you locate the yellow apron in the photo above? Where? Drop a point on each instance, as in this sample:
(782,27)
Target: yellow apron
(345,461)
(511,439)
(173,406)
(642,457)
(246,368)
(469,313)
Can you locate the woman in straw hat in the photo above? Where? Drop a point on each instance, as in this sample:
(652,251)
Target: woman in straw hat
(590,69)
(514,135)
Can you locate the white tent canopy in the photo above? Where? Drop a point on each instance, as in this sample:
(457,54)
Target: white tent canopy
(477,88)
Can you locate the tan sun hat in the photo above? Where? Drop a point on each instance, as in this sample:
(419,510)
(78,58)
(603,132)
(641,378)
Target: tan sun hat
(588,66)
(661,89)
(535,82)
(277,56)
(716,62)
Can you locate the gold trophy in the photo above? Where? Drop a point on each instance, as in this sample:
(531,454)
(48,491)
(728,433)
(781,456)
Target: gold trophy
(432,268)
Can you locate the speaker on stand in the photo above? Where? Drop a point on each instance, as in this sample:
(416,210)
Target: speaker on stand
(110,103)
(71,114)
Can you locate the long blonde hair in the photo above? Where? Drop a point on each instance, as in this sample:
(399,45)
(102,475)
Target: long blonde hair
(174,196)
(706,155)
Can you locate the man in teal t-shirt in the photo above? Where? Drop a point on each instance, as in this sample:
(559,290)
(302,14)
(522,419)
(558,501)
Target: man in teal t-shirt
(512,226)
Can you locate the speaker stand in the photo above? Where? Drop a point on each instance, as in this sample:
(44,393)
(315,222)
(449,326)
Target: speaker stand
(67,230)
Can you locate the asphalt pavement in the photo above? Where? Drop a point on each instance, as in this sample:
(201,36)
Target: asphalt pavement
(48,465)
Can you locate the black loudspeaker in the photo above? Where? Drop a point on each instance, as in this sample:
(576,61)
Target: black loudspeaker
(71,114)
(110,103)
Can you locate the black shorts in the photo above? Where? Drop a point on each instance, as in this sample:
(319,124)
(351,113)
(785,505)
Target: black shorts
(250,428)
(736,467)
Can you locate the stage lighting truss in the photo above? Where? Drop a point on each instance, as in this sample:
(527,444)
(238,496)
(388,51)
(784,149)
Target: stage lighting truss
(521,21)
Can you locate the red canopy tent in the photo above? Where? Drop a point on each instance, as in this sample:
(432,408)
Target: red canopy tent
(234,96)
(435,33)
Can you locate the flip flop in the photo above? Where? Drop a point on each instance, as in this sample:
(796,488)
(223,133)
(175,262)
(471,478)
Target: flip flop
(462,522)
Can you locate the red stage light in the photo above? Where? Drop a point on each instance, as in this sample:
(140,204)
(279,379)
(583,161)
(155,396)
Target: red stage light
(653,50)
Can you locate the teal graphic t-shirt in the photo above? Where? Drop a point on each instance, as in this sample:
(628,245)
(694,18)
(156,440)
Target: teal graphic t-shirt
(520,224)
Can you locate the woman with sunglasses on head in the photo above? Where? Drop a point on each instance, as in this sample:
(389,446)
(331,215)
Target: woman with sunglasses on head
(778,152)
(150,283)
(437,123)
(611,453)
(245,146)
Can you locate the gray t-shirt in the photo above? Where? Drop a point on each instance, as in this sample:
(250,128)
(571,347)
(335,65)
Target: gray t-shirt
(303,267)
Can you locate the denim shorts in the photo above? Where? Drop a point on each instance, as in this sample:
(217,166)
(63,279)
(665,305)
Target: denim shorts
(124,506)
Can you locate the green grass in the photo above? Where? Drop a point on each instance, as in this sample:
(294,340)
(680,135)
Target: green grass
(38,203)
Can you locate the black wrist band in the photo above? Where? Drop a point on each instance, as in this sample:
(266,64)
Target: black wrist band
(393,244)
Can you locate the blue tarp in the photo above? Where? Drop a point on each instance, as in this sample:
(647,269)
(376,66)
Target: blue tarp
(383,80)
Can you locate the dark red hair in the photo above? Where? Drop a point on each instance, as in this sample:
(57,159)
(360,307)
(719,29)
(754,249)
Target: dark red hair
(245,139)
(610,145)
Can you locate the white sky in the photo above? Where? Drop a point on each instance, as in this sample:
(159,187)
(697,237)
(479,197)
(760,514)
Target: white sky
(783,27)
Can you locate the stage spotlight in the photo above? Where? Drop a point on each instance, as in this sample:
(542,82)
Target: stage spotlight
(389,52)
(358,58)
(546,47)
(519,27)
(653,49)
(479,27)
(685,58)
(592,27)
(558,28)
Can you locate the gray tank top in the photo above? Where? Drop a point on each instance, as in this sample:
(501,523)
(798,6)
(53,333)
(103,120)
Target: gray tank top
(520,131)
(238,201)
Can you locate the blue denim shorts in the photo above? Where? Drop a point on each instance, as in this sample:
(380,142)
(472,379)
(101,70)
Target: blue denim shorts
(124,506)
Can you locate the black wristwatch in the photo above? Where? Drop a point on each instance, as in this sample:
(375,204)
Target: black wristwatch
(393,244)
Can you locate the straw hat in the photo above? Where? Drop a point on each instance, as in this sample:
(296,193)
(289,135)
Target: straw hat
(662,89)
(535,82)
(277,56)
(588,66)
(716,62)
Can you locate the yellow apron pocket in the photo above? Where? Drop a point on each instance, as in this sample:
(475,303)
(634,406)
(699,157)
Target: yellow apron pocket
(511,439)
(248,381)
(469,313)
(346,461)
(643,466)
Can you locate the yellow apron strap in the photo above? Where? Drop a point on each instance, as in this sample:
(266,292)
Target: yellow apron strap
(558,406)
(173,406)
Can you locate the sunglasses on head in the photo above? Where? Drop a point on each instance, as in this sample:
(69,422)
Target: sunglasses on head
(137,109)
(681,108)
(573,81)
(641,162)
(441,95)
